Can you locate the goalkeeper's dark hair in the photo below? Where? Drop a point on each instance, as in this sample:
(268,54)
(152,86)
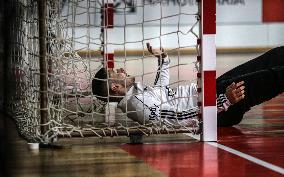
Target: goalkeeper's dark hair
(100,87)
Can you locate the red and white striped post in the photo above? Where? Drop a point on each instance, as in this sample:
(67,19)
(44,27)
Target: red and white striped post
(208,70)
(108,51)
(107,30)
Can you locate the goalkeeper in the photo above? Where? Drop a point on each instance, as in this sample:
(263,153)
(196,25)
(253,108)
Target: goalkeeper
(238,90)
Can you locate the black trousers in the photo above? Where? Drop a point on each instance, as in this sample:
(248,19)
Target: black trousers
(264,79)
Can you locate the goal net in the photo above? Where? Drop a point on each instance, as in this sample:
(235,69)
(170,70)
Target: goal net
(61,45)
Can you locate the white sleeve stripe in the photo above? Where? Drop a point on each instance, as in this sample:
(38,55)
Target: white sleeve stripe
(178,118)
(159,71)
(179,115)
(141,101)
(182,114)
(221,97)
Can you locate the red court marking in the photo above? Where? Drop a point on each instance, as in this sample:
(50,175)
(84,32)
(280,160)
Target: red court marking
(275,121)
(196,159)
(255,142)
(273,111)
(273,107)
(264,140)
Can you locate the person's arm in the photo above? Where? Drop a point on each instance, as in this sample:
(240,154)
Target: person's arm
(151,110)
(163,76)
(143,109)
(234,93)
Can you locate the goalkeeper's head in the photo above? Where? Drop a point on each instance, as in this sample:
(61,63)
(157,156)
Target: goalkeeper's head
(110,85)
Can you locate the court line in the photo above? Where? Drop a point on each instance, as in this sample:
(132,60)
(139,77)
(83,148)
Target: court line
(248,157)
(240,154)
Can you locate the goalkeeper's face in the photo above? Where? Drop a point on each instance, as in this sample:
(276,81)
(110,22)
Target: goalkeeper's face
(120,81)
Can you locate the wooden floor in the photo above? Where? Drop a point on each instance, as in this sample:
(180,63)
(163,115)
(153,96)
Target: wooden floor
(255,148)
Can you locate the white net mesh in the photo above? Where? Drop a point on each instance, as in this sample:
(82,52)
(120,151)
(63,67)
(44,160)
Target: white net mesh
(75,39)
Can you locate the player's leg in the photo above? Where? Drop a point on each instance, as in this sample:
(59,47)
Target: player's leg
(260,86)
(272,58)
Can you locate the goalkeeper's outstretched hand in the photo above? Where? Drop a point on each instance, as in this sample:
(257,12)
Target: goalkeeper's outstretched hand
(235,92)
(159,53)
